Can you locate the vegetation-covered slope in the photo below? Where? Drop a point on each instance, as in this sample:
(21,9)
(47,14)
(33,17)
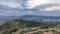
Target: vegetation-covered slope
(14,25)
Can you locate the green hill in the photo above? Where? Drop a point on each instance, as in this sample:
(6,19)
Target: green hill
(14,25)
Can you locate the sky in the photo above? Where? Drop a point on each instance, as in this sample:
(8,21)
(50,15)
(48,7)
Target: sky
(31,7)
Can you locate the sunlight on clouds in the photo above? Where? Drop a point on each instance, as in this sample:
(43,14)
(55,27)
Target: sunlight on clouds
(33,3)
(51,8)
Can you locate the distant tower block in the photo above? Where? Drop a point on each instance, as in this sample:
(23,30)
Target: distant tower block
(48,32)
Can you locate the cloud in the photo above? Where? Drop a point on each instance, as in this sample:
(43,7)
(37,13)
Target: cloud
(30,5)
(51,8)
(12,13)
(33,3)
(9,3)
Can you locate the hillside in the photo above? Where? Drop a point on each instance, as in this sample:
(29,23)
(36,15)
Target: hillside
(14,25)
